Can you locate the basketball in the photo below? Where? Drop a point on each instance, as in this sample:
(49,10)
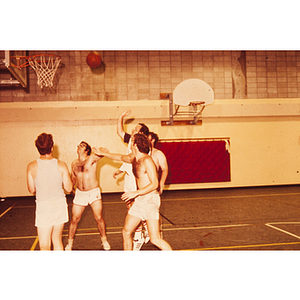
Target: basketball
(93,60)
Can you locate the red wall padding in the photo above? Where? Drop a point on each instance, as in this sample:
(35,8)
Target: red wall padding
(196,161)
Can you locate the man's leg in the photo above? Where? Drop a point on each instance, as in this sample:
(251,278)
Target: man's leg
(44,236)
(131,222)
(57,237)
(97,210)
(77,211)
(155,237)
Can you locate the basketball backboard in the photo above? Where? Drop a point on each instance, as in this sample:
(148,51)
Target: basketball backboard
(191,91)
(12,59)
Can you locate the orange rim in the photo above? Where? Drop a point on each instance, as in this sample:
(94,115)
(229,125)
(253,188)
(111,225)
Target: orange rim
(30,58)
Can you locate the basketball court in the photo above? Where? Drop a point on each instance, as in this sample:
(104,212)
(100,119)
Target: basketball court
(261,218)
(252,218)
(195,222)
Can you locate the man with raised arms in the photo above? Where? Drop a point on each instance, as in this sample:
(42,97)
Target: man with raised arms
(129,180)
(84,176)
(141,234)
(146,197)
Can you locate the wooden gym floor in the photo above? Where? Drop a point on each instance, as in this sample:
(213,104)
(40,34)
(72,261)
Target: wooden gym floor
(254,218)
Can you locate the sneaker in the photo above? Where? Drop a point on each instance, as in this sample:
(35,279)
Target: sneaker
(69,245)
(106,245)
(138,243)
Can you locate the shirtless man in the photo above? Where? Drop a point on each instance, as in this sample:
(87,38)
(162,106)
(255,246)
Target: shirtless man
(84,175)
(146,198)
(161,164)
(129,180)
(141,235)
(160,161)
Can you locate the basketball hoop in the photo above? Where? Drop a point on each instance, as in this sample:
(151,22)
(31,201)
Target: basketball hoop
(194,93)
(45,66)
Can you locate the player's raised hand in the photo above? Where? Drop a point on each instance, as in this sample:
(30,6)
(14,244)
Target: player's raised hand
(126,112)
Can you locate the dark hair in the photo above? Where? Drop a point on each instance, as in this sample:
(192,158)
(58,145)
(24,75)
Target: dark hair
(144,129)
(44,143)
(154,137)
(142,143)
(87,147)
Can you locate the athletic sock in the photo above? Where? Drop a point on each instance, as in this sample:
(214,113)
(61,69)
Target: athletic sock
(145,232)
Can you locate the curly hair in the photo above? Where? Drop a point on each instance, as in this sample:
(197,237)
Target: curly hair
(154,137)
(44,143)
(142,143)
(144,129)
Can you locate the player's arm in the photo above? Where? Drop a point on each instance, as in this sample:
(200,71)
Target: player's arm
(94,157)
(29,177)
(67,182)
(114,156)
(73,175)
(120,126)
(116,173)
(163,163)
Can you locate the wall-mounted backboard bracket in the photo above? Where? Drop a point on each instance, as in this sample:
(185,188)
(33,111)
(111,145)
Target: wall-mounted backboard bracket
(12,60)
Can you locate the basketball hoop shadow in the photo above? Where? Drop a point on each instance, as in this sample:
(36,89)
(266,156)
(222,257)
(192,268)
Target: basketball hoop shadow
(188,101)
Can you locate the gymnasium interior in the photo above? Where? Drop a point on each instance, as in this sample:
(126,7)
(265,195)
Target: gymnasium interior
(231,200)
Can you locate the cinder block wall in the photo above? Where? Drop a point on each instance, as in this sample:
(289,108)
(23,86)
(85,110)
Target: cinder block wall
(137,75)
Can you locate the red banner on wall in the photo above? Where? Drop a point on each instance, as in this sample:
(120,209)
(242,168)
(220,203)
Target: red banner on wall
(196,161)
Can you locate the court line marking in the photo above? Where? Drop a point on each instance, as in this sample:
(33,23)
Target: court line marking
(243,246)
(282,223)
(187,228)
(18,237)
(170,228)
(206,227)
(232,197)
(199,198)
(7,210)
(117,232)
(218,197)
(34,244)
(284,231)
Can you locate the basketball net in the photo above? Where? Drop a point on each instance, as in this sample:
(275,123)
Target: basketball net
(45,66)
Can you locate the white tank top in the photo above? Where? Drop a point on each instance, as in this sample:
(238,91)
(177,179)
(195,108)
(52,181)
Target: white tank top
(129,179)
(48,182)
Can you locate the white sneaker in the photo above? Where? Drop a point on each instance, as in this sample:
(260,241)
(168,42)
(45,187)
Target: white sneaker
(138,239)
(106,245)
(138,243)
(69,245)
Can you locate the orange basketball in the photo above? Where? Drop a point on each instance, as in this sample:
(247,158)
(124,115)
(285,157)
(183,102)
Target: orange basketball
(93,60)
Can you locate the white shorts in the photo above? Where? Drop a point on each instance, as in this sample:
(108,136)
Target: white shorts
(84,198)
(49,213)
(146,207)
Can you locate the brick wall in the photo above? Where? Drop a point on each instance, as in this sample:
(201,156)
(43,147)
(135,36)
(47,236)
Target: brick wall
(273,74)
(136,75)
